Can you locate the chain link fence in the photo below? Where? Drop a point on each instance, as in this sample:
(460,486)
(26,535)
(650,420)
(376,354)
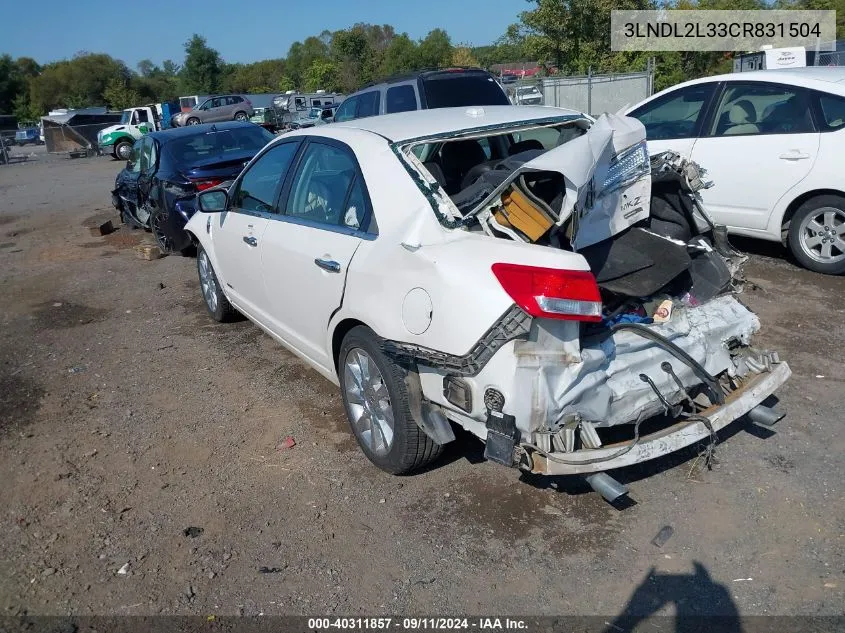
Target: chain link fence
(593,94)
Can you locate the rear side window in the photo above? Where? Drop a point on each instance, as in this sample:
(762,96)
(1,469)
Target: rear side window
(832,112)
(400,99)
(458,89)
(368,104)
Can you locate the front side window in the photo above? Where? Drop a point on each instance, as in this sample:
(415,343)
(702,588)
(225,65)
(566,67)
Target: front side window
(368,104)
(145,154)
(675,115)
(758,108)
(321,185)
(346,111)
(206,105)
(258,188)
(135,157)
(400,99)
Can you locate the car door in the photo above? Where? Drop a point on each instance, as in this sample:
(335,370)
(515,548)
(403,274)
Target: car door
(237,232)
(673,120)
(307,248)
(760,142)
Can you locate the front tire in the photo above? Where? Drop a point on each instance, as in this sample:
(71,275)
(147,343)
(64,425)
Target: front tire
(123,150)
(817,234)
(218,305)
(376,401)
(192,121)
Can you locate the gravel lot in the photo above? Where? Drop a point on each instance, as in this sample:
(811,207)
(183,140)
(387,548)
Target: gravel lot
(127,416)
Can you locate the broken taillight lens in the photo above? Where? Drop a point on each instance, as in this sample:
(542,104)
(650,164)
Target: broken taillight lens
(550,292)
(204,184)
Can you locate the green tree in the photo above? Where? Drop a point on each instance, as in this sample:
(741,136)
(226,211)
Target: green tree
(400,56)
(320,75)
(76,83)
(119,95)
(11,84)
(462,56)
(202,68)
(285,84)
(435,50)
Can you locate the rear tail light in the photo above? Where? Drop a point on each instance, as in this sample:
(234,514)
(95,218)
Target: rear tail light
(207,183)
(550,292)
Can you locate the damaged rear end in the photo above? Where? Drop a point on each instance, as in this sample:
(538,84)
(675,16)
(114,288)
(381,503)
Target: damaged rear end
(648,353)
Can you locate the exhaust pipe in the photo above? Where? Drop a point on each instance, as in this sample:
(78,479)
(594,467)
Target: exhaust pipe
(765,416)
(606,486)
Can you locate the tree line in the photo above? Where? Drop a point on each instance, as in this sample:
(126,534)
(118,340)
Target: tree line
(562,36)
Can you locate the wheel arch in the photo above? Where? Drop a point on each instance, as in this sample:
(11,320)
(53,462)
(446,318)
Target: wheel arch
(793,206)
(340,331)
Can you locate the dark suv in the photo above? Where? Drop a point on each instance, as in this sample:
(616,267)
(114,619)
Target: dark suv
(424,89)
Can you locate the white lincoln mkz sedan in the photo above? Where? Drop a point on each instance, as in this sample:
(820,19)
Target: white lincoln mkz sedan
(495,268)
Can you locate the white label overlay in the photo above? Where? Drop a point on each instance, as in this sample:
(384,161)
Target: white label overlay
(701,30)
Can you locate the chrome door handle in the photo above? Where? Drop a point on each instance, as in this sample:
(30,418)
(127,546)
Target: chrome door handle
(794,155)
(328,264)
(251,241)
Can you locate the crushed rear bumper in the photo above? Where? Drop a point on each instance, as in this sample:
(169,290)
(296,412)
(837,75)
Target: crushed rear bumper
(665,441)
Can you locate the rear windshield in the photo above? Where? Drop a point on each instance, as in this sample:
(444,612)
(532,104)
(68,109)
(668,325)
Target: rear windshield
(219,143)
(454,90)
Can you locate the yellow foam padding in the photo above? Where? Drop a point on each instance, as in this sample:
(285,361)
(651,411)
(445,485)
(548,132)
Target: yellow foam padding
(523,215)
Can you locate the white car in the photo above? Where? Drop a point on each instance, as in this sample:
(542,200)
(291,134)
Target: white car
(449,291)
(771,140)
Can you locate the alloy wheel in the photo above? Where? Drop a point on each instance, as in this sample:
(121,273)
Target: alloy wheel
(208,284)
(368,401)
(158,221)
(822,235)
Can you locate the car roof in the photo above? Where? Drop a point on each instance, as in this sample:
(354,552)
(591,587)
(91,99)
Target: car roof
(826,78)
(404,126)
(165,136)
(423,72)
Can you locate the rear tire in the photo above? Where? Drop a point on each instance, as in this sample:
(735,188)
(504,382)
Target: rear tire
(817,234)
(241,116)
(215,301)
(374,395)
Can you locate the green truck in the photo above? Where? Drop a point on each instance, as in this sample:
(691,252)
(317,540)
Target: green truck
(118,140)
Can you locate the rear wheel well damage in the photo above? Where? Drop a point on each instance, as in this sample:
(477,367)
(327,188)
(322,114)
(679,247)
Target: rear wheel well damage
(796,204)
(340,332)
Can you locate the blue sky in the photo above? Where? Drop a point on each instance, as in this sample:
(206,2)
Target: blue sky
(241,30)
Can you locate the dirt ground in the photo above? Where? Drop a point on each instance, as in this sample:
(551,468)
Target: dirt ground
(135,433)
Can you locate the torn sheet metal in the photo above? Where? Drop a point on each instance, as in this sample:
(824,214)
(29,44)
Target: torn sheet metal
(606,176)
(603,383)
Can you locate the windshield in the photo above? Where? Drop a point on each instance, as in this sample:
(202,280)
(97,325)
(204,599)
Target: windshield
(208,145)
(126,116)
(454,90)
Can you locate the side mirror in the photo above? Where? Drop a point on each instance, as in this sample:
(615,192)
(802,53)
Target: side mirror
(213,201)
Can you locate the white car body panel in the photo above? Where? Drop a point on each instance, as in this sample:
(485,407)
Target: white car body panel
(758,177)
